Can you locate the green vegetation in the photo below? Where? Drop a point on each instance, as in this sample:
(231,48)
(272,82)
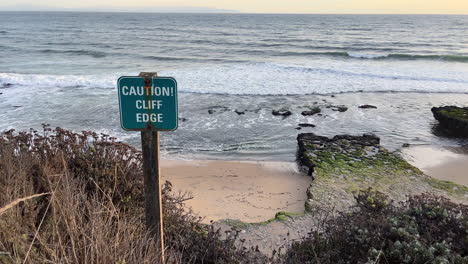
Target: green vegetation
(423,229)
(455,112)
(346,164)
(448,186)
(329,163)
(280,216)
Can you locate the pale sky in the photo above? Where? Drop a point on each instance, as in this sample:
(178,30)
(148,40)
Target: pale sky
(258,6)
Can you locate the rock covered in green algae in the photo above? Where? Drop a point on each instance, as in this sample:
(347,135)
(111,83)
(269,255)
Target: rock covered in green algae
(344,164)
(452,118)
(314,150)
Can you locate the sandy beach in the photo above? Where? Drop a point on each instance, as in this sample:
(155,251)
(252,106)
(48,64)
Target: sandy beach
(243,190)
(448,163)
(254,191)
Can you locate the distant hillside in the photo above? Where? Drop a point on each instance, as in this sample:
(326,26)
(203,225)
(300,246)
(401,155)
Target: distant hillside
(150,9)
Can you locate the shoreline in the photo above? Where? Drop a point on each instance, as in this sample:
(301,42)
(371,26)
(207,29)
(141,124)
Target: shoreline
(254,191)
(443,163)
(250,191)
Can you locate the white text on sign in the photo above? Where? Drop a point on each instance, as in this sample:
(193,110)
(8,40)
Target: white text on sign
(154,118)
(148,104)
(154,91)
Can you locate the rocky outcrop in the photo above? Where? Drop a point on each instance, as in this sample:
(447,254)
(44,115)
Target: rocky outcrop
(453,119)
(306,125)
(312,149)
(239,112)
(217,109)
(341,165)
(339,108)
(312,111)
(367,106)
(281,112)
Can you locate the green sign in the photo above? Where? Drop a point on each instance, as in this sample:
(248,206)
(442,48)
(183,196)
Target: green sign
(148,103)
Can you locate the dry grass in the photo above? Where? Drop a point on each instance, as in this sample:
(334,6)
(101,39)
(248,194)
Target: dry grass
(78,198)
(76,222)
(17,201)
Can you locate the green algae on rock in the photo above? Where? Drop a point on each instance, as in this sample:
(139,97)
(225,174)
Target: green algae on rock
(452,118)
(341,165)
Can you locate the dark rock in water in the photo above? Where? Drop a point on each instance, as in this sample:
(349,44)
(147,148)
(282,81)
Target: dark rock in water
(298,128)
(239,112)
(281,112)
(6,85)
(406,145)
(453,119)
(306,125)
(339,108)
(367,106)
(312,148)
(312,111)
(332,95)
(17,106)
(183,119)
(217,108)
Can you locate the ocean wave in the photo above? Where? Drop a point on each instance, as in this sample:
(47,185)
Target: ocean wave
(92,53)
(457,58)
(370,75)
(167,58)
(276,79)
(192,59)
(61,81)
(393,56)
(268,79)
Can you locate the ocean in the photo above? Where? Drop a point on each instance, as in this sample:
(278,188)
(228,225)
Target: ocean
(61,68)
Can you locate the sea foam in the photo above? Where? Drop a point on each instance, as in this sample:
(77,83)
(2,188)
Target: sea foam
(270,79)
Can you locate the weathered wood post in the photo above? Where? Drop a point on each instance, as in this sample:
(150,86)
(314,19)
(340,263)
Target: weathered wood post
(148,103)
(151,173)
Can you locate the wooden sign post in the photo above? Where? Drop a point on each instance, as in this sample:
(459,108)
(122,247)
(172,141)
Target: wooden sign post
(149,104)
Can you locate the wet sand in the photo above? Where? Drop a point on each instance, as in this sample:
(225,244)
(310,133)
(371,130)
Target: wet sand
(247,191)
(449,164)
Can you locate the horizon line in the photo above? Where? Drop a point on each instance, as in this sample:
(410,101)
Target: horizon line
(227,13)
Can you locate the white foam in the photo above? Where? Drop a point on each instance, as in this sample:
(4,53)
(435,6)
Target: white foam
(366,55)
(63,81)
(277,78)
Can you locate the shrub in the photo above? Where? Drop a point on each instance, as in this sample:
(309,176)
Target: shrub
(90,205)
(423,229)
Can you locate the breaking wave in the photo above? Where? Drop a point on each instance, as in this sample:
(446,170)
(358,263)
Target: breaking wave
(380,56)
(266,79)
(94,54)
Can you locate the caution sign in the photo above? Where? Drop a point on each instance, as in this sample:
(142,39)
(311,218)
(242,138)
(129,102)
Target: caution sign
(148,103)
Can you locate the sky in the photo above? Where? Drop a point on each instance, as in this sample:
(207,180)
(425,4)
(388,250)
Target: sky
(250,6)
